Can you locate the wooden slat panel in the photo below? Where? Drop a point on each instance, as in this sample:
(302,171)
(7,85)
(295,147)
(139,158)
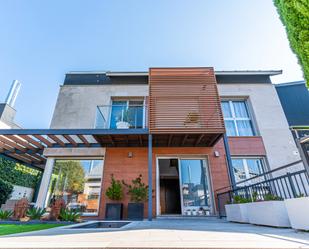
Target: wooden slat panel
(184,100)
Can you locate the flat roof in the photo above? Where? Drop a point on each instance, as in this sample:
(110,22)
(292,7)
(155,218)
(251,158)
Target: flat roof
(146,73)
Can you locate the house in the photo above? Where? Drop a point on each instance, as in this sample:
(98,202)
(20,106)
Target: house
(187,131)
(294,98)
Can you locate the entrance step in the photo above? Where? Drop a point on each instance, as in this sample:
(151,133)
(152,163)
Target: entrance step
(185,217)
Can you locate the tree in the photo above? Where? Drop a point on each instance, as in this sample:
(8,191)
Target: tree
(70,177)
(294,15)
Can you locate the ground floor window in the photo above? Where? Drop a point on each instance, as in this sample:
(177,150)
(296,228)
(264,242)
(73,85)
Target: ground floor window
(245,168)
(78,182)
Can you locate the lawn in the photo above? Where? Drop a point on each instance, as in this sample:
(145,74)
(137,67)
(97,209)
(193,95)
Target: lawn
(6,229)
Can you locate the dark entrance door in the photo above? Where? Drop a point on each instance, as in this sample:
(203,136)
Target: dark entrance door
(171,196)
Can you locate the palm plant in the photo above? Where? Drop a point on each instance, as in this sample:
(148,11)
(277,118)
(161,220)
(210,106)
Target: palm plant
(35,213)
(5,214)
(69,215)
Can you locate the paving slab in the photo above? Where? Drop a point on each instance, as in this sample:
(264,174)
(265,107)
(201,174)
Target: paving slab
(163,233)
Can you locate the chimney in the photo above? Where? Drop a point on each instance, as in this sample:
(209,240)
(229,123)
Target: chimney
(12,95)
(7,111)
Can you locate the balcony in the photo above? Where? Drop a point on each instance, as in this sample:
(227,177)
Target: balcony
(120,116)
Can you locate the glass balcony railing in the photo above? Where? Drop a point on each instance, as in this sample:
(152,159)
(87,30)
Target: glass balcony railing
(121,117)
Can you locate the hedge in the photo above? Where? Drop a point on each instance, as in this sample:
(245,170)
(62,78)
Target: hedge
(294,15)
(18,174)
(5,191)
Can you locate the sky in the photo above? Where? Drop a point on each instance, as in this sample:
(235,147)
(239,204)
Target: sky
(42,40)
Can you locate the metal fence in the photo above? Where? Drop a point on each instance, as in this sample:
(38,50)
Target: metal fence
(288,181)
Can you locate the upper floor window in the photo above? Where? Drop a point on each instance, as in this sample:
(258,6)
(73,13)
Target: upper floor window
(236,118)
(126,114)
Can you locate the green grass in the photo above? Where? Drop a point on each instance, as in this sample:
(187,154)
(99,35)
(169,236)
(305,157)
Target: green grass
(6,229)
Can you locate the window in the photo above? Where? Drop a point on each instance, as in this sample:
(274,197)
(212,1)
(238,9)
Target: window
(78,182)
(236,118)
(127,114)
(245,168)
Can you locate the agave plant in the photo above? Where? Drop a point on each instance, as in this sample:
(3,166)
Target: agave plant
(5,214)
(35,213)
(69,215)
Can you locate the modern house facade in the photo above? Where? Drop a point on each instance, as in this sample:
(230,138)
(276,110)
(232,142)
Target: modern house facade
(188,131)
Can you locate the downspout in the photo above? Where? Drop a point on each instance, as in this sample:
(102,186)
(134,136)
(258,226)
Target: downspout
(229,161)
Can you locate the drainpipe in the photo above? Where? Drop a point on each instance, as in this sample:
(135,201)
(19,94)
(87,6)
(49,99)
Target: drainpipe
(229,161)
(150,177)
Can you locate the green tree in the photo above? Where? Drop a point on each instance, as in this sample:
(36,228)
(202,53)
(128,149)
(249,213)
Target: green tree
(294,15)
(70,177)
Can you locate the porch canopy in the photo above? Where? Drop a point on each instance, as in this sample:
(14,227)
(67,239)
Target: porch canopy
(27,145)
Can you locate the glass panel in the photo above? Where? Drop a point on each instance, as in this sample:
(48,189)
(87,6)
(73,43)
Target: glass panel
(230,128)
(244,128)
(226,109)
(240,109)
(255,167)
(194,185)
(136,112)
(239,170)
(100,122)
(118,113)
(78,182)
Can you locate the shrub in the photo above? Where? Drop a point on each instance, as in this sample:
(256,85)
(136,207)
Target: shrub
(5,214)
(238,199)
(35,213)
(69,215)
(114,191)
(6,190)
(271,197)
(138,191)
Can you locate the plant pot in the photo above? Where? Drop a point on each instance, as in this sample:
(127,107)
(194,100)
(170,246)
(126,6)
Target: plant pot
(136,211)
(297,209)
(113,211)
(122,125)
(237,212)
(268,213)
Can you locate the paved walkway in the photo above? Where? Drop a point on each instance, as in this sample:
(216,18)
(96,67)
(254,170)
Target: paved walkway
(174,233)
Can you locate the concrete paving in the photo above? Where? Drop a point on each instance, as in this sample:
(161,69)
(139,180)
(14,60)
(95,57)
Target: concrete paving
(163,233)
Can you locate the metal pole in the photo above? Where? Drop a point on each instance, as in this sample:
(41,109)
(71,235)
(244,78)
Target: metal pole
(229,161)
(149,177)
(303,154)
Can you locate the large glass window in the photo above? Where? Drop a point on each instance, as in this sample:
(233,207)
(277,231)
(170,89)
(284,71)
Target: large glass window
(236,118)
(245,168)
(78,182)
(127,114)
(194,183)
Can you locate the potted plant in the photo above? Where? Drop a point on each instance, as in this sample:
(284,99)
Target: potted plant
(270,211)
(123,120)
(114,192)
(138,192)
(297,209)
(237,210)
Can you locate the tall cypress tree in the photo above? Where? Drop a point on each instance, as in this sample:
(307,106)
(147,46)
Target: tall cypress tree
(294,15)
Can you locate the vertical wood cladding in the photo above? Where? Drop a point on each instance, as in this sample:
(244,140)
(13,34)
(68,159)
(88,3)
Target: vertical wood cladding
(184,100)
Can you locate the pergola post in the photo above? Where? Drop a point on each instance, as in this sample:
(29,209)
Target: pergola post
(40,202)
(149,177)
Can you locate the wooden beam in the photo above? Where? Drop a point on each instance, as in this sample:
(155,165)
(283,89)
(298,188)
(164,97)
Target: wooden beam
(84,140)
(6,147)
(184,139)
(12,144)
(43,140)
(169,140)
(140,140)
(71,140)
(57,140)
(199,139)
(32,141)
(21,158)
(111,139)
(22,142)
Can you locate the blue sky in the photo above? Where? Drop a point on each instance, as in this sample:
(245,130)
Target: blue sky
(42,40)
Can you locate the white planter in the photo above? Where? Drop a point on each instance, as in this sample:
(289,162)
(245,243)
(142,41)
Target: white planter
(268,213)
(237,212)
(122,125)
(298,211)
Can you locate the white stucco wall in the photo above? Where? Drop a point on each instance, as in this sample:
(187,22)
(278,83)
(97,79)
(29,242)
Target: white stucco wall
(76,105)
(4,125)
(270,120)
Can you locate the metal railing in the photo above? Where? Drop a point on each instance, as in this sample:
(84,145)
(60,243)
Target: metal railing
(121,117)
(288,181)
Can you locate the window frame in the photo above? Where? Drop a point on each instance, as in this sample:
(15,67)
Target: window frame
(235,119)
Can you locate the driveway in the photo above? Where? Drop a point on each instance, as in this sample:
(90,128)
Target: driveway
(163,233)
